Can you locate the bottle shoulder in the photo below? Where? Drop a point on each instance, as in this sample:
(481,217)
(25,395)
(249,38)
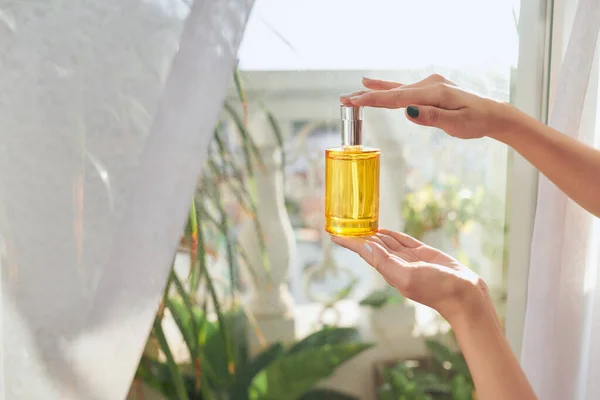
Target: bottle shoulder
(352,153)
(353,150)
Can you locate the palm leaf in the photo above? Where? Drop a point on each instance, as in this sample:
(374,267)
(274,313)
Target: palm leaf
(277,132)
(237,79)
(224,227)
(242,197)
(174,371)
(246,374)
(192,234)
(293,375)
(248,145)
(327,335)
(157,376)
(197,274)
(217,306)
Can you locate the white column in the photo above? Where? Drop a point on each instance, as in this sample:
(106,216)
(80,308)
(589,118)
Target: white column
(270,300)
(380,131)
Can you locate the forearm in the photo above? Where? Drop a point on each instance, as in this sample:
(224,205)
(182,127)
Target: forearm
(571,165)
(495,369)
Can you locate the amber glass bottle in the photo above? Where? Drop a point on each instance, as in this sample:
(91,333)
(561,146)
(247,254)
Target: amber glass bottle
(351,181)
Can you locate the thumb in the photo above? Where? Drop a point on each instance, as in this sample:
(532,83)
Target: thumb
(431,116)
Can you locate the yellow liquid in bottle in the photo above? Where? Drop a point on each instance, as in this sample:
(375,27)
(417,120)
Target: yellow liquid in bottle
(352,191)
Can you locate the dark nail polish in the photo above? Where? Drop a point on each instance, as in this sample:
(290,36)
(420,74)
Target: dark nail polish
(412,111)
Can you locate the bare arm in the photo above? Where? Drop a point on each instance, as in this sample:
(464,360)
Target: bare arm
(494,368)
(433,278)
(571,165)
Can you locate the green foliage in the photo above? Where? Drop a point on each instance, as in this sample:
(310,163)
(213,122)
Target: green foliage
(462,388)
(246,374)
(382,297)
(443,355)
(446,206)
(448,378)
(402,383)
(326,336)
(213,325)
(462,384)
(294,374)
(273,374)
(325,394)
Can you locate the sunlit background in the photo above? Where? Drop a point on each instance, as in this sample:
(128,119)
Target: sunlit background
(254,266)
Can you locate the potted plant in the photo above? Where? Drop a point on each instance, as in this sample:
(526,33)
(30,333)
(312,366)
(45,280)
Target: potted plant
(389,311)
(443,375)
(213,323)
(218,367)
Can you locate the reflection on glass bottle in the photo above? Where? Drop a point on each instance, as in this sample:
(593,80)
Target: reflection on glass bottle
(351,181)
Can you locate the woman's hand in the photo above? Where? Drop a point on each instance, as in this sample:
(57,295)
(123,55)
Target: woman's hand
(571,165)
(435,279)
(436,101)
(421,273)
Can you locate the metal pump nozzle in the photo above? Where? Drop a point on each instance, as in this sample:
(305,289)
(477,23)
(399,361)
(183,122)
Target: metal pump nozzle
(351,125)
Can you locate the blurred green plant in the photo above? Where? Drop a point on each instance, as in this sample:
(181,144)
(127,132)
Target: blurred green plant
(277,372)
(447,378)
(381,297)
(446,205)
(214,324)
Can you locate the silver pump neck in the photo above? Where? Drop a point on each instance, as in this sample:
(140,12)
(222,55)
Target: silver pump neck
(352,118)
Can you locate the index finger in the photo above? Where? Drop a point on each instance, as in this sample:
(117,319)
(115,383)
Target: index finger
(400,97)
(345,98)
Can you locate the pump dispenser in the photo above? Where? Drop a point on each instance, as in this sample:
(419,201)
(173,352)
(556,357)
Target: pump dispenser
(352,181)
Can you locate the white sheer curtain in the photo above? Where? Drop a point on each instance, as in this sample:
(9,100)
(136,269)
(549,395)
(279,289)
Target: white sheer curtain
(106,111)
(561,346)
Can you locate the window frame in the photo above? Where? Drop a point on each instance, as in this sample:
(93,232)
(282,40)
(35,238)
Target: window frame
(541,47)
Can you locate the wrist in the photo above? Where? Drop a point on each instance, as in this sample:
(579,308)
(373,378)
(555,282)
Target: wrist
(504,120)
(511,125)
(473,306)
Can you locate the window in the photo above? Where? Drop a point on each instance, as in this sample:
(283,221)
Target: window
(296,62)
(84,111)
(298,70)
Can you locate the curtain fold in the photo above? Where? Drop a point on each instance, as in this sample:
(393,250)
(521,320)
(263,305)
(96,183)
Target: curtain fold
(107,109)
(561,321)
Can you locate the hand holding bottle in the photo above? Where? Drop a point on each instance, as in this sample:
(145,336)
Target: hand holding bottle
(436,101)
(435,279)
(420,273)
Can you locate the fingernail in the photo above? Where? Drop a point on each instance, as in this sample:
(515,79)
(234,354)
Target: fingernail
(368,247)
(412,111)
(345,96)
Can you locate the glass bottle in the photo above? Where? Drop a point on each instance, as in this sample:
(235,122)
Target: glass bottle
(352,181)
